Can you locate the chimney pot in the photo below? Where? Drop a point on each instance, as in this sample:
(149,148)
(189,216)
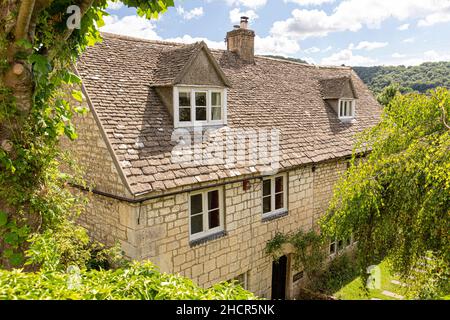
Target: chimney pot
(244,22)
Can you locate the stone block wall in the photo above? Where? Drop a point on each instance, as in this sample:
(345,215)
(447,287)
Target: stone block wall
(163,235)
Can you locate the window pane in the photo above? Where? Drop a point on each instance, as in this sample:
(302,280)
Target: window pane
(332,247)
(340,244)
(266,187)
(200,114)
(216,113)
(213,199)
(216,99)
(200,99)
(278,184)
(196,204)
(279,201)
(196,224)
(348,241)
(267,204)
(184,99)
(214,219)
(185,114)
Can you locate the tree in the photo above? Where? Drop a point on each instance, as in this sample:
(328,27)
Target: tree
(39,42)
(388,93)
(396,202)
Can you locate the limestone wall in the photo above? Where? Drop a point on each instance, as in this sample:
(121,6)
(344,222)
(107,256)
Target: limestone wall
(163,235)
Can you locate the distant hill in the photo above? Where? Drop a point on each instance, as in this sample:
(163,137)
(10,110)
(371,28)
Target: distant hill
(286,58)
(420,78)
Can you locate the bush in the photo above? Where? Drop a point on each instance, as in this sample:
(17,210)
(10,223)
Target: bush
(141,281)
(339,272)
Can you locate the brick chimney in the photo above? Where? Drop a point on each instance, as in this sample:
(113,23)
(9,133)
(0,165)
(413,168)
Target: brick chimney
(242,41)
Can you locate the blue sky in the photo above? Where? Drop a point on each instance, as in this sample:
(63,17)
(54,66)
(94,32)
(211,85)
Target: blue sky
(326,32)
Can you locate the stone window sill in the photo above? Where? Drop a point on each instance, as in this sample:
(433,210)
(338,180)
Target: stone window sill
(274,215)
(208,238)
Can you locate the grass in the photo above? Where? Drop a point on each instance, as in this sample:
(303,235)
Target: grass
(355,289)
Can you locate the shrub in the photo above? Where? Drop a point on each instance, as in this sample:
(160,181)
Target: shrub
(140,281)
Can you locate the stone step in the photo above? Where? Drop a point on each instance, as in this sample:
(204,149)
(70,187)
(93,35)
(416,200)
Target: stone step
(398,283)
(392,295)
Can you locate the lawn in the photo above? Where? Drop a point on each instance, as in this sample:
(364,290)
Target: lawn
(355,290)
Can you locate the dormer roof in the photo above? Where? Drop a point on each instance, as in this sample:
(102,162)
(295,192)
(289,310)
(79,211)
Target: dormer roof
(337,88)
(174,63)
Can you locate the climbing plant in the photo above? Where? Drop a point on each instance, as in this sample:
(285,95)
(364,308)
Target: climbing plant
(40,41)
(308,250)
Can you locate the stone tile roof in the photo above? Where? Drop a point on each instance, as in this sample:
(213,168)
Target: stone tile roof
(118,75)
(171,63)
(333,88)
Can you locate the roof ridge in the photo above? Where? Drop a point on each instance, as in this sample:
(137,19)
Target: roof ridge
(304,64)
(136,39)
(170,43)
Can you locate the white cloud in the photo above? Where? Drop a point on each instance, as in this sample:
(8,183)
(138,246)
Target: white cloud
(235,15)
(327,49)
(253,4)
(190,14)
(352,15)
(276,45)
(403,27)
(188,39)
(115,5)
(409,40)
(428,56)
(309,2)
(368,46)
(347,57)
(311,50)
(397,55)
(133,26)
(432,19)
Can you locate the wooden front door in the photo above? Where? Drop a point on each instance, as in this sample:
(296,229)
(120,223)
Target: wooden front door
(279,270)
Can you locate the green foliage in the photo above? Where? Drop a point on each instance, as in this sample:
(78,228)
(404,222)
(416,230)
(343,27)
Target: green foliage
(429,279)
(309,252)
(420,78)
(141,281)
(287,59)
(30,178)
(388,93)
(337,274)
(396,201)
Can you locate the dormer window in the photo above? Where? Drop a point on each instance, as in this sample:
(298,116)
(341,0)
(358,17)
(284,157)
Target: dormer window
(199,106)
(346,109)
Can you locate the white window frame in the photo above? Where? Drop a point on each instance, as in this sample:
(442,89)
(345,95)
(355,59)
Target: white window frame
(245,283)
(192,90)
(206,231)
(272,195)
(352,105)
(338,251)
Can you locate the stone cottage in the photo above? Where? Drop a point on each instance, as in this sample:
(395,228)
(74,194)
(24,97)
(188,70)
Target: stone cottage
(197,157)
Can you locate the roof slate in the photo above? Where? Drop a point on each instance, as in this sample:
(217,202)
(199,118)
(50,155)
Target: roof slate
(271,94)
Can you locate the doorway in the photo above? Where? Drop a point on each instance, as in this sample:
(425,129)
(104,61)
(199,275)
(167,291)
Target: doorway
(279,271)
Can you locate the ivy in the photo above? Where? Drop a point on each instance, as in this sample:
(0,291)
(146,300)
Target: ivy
(309,250)
(34,197)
